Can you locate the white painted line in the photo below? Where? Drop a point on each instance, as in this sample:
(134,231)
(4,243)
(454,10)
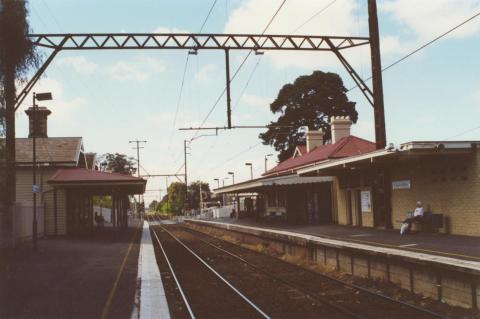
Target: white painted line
(408,245)
(153,302)
(360,235)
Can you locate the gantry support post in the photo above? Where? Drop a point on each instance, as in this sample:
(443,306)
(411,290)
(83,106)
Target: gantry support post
(227,72)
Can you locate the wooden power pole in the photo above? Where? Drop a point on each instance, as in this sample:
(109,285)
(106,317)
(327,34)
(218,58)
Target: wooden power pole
(377,86)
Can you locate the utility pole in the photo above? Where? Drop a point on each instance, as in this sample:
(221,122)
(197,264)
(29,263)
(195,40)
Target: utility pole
(138,147)
(377,86)
(185,160)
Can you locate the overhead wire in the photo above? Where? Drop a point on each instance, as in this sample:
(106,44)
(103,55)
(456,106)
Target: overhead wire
(314,16)
(179,99)
(242,92)
(423,46)
(238,69)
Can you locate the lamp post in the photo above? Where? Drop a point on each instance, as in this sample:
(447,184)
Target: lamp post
(251,169)
(35,188)
(218,182)
(223,181)
(266,159)
(233,177)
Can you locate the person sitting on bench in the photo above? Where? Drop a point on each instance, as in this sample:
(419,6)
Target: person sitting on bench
(417,217)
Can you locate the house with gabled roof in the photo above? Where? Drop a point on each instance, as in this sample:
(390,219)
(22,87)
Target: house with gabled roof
(67,178)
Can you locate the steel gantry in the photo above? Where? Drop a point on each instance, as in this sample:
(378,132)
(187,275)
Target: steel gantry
(227,42)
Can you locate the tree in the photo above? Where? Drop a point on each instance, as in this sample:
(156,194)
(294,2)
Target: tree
(194,193)
(120,163)
(154,205)
(17,57)
(308,102)
(176,197)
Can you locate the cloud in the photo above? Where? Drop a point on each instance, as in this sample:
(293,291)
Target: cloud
(433,17)
(78,63)
(138,69)
(206,73)
(255,100)
(163,29)
(63,109)
(342,18)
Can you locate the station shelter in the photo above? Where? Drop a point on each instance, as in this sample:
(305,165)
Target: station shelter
(284,195)
(443,175)
(67,178)
(347,181)
(78,187)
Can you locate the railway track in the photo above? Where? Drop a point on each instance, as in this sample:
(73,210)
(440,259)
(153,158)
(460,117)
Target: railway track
(269,287)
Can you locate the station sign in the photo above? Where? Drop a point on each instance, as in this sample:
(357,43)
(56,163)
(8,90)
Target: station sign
(402,184)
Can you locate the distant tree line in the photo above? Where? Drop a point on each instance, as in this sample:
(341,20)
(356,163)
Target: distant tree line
(179,197)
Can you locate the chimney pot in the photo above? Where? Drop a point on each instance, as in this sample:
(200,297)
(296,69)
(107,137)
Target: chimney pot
(314,138)
(38,129)
(340,126)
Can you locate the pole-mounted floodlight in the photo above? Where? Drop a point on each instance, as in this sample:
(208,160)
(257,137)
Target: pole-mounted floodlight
(266,159)
(233,177)
(36,188)
(218,182)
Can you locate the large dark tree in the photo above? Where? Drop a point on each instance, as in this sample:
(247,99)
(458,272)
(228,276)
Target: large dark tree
(309,102)
(120,163)
(17,57)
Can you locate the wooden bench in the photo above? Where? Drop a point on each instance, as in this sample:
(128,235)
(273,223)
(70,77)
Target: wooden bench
(430,222)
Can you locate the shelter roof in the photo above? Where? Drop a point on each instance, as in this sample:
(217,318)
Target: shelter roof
(347,146)
(259,183)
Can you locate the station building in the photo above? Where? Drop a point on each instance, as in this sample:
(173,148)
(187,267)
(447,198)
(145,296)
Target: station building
(349,182)
(67,179)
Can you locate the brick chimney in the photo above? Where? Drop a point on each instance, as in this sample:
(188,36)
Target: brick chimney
(314,139)
(39,129)
(340,126)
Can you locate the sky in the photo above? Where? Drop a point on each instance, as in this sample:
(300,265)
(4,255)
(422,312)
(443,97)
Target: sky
(112,97)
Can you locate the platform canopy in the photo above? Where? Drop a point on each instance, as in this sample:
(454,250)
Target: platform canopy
(96,182)
(258,184)
(391,156)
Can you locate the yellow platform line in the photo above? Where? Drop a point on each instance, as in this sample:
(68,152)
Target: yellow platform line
(108,303)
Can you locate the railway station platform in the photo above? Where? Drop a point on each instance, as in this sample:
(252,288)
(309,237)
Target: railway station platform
(455,246)
(441,267)
(89,276)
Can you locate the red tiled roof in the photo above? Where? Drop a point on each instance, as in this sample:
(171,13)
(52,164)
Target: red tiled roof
(347,146)
(83,175)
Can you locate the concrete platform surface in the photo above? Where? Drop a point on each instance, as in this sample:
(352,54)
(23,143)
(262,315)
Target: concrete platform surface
(92,276)
(454,246)
(153,302)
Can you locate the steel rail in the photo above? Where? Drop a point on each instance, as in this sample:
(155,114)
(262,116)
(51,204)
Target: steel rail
(184,297)
(251,303)
(347,284)
(307,293)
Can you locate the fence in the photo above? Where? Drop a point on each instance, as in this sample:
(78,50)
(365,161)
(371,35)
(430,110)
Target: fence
(23,219)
